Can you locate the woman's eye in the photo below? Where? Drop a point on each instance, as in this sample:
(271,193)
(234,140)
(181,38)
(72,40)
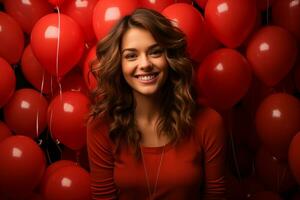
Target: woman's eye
(156,52)
(130,56)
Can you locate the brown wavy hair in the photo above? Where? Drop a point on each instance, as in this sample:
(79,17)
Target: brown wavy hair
(113,100)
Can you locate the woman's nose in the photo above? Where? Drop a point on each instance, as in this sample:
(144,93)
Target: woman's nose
(145,63)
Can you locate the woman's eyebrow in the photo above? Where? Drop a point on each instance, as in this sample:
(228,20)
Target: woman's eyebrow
(133,49)
(128,49)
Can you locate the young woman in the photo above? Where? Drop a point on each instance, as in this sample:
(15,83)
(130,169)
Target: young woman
(147,139)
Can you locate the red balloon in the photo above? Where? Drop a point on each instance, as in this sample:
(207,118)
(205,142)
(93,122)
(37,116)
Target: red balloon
(47,34)
(68,183)
(108,12)
(66,119)
(191,22)
(26,113)
(51,169)
(27,14)
(56,2)
(209,44)
(231,21)
(266,195)
(7,82)
(264,4)
(286,13)
(73,81)
(22,166)
(11,39)
(89,78)
(201,3)
(158,5)
(272,52)
(4,131)
(82,13)
(223,78)
(36,74)
(277,121)
(293,156)
(275,175)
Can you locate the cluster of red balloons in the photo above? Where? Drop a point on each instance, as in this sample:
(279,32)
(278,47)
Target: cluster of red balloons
(247,68)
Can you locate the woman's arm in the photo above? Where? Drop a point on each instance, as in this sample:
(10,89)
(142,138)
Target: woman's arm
(101,161)
(212,137)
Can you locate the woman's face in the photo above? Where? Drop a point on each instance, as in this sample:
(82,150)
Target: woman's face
(144,63)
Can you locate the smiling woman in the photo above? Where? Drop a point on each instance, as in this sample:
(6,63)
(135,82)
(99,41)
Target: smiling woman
(144,125)
(144,64)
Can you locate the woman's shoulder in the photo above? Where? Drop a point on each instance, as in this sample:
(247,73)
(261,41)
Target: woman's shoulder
(97,130)
(207,116)
(208,125)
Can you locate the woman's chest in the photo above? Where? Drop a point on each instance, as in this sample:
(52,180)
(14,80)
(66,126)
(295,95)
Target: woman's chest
(169,169)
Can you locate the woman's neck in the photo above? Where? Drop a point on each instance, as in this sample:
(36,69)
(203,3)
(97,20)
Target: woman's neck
(147,108)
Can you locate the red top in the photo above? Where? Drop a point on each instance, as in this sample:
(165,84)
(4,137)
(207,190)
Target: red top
(194,163)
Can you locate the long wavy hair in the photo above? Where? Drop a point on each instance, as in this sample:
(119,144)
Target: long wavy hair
(113,100)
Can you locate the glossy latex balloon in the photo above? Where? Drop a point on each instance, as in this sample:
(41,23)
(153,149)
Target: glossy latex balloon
(26,113)
(277,121)
(201,3)
(11,39)
(22,165)
(89,78)
(293,158)
(4,131)
(191,22)
(36,74)
(82,12)
(208,45)
(7,82)
(66,119)
(223,78)
(74,81)
(27,13)
(68,183)
(231,21)
(286,13)
(157,5)
(272,52)
(108,12)
(49,40)
(51,169)
(56,2)
(274,174)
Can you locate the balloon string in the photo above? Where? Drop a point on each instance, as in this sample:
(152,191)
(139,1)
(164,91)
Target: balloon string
(268,11)
(37,114)
(48,156)
(37,123)
(229,117)
(57,52)
(47,148)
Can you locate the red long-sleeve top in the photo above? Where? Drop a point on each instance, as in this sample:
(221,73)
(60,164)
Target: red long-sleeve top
(191,169)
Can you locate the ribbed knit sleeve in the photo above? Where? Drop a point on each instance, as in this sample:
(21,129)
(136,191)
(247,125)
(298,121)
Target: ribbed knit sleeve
(211,134)
(100,153)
